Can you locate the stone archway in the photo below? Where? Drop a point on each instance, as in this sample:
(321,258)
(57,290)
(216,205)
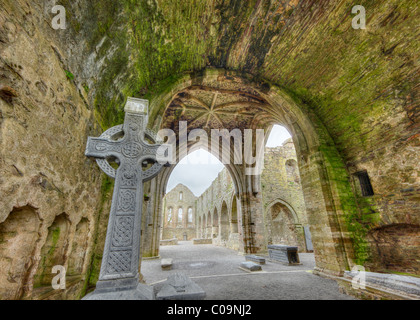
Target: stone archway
(199,227)
(19,234)
(292,171)
(224,223)
(78,253)
(54,250)
(215,226)
(283,225)
(234,216)
(203,227)
(209,225)
(218,99)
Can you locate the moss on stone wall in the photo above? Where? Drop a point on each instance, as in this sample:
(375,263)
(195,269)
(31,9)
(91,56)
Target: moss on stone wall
(100,232)
(361,84)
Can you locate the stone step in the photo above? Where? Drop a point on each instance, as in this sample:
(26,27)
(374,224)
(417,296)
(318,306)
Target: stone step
(166,264)
(169,242)
(202,241)
(256,259)
(250,266)
(180,287)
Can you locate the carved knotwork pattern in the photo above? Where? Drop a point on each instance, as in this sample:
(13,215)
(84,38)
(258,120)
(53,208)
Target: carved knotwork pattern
(126,200)
(151,151)
(151,135)
(153,171)
(119,262)
(132,150)
(129,177)
(106,146)
(126,143)
(123,232)
(112,131)
(106,167)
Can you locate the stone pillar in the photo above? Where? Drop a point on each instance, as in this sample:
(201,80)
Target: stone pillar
(322,215)
(208,232)
(152,222)
(251,219)
(214,232)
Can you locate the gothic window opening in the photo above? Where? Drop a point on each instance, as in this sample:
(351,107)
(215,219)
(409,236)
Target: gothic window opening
(365,184)
(169,219)
(190,215)
(180,213)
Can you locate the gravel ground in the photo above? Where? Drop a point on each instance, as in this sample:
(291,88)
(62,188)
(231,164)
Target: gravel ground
(216,271)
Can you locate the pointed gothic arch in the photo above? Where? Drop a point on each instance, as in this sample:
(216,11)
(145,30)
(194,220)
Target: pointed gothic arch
(314,150)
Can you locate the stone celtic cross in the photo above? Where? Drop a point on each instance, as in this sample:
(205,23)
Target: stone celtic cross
(125,143)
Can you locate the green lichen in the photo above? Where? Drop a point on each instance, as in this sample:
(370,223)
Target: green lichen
(360,213)
(345,77)
(96,258)
(69,75)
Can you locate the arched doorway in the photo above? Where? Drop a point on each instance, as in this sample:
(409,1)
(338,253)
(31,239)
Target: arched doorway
(209,225)
(224,223)
(215,228)
(282,226)
(234,216)
(203,227)
(80,242)
(19,234)
(260,106)
(54,251)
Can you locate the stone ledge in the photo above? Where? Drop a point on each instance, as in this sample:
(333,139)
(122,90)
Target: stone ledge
(166,264)
(256,259)
(202,241)
(180,287)
(372,291)
(406,284)
(249,266)
(169,242)
(141,292)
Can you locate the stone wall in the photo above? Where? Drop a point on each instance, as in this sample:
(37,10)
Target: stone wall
(284,205)
(218,209)
(179,217)
(50,192)
(349,96)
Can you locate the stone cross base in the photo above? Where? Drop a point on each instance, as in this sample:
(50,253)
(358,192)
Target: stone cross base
(142,292)
(180,287)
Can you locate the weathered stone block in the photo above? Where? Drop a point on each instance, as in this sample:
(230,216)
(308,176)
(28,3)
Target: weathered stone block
(166,264)
(284,254)
(180,287)
(250,266)
(405,284)
(141,292)
(169,242)
(256,259)
(202,241)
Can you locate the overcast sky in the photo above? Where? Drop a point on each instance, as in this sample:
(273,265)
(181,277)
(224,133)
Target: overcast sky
(199,169)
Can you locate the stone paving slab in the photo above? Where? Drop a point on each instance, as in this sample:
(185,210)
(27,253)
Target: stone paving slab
(215,270)
(256,259)
(166,264)
(250,266)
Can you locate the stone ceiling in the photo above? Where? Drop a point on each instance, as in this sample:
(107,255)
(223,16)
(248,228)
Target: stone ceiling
(215,108)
